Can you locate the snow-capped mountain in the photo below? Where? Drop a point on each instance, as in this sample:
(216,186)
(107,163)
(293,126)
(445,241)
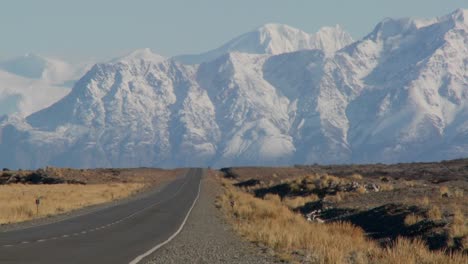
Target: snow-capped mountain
(398,94)
(31,82)
(276,39)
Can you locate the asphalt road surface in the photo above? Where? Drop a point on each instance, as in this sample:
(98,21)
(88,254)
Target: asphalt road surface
(120,234)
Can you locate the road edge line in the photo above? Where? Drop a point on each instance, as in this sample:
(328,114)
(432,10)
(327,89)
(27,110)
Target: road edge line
(151,251)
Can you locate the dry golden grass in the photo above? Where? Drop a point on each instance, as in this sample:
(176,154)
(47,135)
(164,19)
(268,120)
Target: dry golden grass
(425,201)
(410,183)
(299,201)
(412,219)
(361,190)
(444,191)
(272,197)
(338,197)
(328,180)
(356,176)
(386,187)
(270,222)
(458,227)
(458,193)
(434,213)
(464,242)
(415,252)
(17,201)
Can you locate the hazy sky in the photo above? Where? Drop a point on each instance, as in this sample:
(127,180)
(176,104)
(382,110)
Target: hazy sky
(101,29)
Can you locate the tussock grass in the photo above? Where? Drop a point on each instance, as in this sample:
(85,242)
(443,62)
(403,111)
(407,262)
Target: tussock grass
(299,201)
(338,197)
(434,213)
(464,242)
(444,191)
(361,190)
(386,187)
(17,201)
(269,221)
(412,219)
(458,227)
(356,176)
(458,193)
(425,201)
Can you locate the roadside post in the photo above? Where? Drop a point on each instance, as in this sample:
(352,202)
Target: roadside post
(38,202)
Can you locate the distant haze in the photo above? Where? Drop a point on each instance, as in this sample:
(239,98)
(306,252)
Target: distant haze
(86,29)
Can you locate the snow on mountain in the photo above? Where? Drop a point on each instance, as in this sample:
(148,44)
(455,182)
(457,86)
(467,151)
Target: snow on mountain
(251,114)
(32,82)
(276,39)
(413,82)
(140,56)
(399,94)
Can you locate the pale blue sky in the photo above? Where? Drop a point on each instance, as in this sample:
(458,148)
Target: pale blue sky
(102,29)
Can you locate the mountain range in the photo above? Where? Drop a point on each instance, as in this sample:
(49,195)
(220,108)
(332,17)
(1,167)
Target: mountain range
(274,96)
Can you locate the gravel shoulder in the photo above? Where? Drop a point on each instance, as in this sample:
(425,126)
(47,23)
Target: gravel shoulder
(206,238)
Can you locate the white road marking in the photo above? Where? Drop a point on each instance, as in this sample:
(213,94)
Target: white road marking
(116,222)
(149,252)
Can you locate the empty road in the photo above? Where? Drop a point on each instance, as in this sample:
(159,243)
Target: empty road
(120,234)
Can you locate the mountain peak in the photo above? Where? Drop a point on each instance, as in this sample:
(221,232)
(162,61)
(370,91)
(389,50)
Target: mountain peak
(273,39)
(390,27)
(332,39)
(460,15)
(278,28)
(139,55)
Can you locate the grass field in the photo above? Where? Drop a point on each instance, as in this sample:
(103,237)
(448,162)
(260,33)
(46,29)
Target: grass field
(270,221)
(17,201)
(20,189)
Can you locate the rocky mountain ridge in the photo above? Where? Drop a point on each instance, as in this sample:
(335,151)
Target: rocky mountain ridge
(398,94)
